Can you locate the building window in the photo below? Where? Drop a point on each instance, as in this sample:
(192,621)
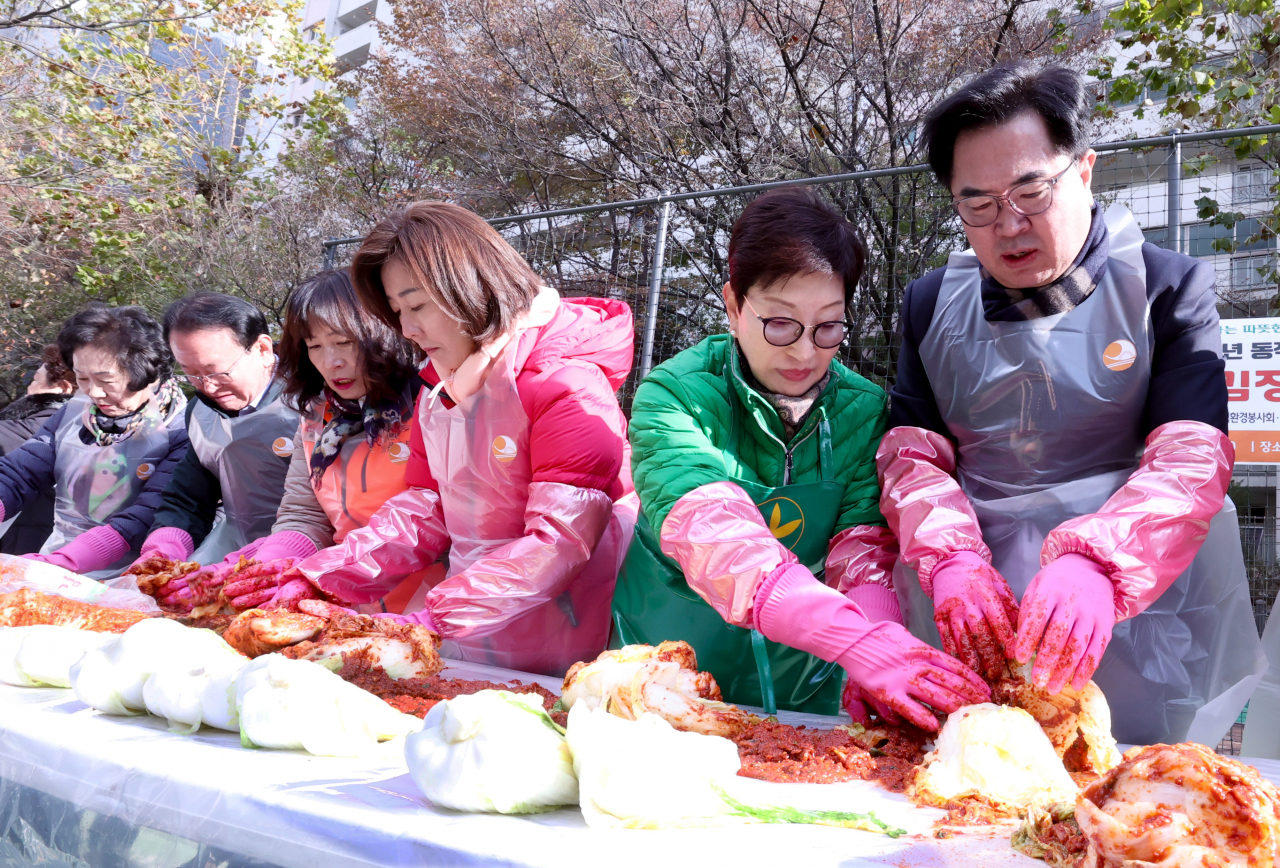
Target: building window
(1201,236)
(1249,234)
(1157,236)
(1252,272)
(1251,184)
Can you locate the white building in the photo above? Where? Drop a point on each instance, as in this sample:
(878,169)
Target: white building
(352,27)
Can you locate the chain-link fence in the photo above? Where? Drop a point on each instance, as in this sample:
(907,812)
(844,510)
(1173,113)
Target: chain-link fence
(666,257)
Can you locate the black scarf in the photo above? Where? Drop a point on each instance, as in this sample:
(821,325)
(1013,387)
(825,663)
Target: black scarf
(1002,304)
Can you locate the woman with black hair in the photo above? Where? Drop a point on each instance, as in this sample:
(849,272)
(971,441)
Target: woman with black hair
(355,381)
(111,450)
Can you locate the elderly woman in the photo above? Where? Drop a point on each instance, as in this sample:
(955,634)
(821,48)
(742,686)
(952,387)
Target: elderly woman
(110,450)
(518,455)
(354,379)
(761,542)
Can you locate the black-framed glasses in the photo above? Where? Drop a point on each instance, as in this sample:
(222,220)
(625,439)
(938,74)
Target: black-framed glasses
(783,331)
(1029,199)
(222,379)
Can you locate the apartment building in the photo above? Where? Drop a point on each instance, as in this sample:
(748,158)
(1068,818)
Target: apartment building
(352,27)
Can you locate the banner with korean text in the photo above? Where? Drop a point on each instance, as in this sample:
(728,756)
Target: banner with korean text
(1251,348)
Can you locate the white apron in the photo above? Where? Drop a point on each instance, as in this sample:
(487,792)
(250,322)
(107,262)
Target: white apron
(250,456)
(95,482)
(479,455)
(1048,415)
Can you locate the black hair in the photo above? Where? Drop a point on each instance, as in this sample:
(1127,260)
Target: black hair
(215,310)
(793,231)
(1055,93)
(129,333)
(387,360)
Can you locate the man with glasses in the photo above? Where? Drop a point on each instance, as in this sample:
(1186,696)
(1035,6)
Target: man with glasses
(227,489)
(1058,460)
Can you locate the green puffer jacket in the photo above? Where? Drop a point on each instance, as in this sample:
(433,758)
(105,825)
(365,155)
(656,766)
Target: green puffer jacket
(680,433)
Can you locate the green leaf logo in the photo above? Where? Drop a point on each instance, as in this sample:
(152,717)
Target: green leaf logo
(786,520)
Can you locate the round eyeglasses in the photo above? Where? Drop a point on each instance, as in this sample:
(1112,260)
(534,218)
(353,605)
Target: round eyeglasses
(782,331)
(1029,199)
(209,380)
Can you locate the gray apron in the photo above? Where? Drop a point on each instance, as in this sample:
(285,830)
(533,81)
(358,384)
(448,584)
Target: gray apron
(250,456)
(95,482)
(1048,415)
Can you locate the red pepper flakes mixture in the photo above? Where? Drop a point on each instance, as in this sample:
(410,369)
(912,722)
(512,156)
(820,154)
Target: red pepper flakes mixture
(417,696)
(777,752)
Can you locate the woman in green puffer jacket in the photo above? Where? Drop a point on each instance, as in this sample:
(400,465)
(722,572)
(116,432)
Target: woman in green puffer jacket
(761,541)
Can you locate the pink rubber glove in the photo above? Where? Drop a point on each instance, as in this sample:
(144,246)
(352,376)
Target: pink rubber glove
(290,592)
(201,587)
(173,543)
(975,612)
(256,585)
(1149,531)
(1068,613)
(923,503)
(95,549)
(894,670)
(422,617)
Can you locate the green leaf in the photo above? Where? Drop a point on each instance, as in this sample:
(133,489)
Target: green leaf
(868,822)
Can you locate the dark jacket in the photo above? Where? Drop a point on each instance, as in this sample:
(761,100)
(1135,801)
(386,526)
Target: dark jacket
(19,422)
(194,493)
(1187,382)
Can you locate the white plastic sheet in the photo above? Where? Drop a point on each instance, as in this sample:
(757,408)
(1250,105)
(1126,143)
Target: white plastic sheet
(289,809)
(121,593)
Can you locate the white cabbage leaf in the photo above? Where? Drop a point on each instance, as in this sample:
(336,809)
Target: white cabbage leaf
(644,774)
(299,705)
(197,688)
(999,752)
(495,752)
(111,678)
(42,655)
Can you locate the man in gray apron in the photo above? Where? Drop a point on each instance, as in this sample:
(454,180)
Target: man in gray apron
(1057,460)
(227,489)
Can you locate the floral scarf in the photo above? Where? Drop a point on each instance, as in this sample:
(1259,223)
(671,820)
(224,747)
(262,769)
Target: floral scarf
(379,424)
(104,430)
(791,410)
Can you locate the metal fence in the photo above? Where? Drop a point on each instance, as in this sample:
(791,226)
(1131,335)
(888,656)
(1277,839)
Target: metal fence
(666,257)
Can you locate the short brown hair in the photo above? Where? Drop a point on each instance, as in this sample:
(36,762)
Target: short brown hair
(793,231)
(470,270)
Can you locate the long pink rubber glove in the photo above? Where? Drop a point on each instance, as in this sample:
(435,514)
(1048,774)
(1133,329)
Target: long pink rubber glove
(975,611)
(563,524)
(922,501)
(1139,542)
(95,549)
(1150,531)
(1068,613)
(859,565)
(405,535)
(896,671)
(726,551)
(173,543)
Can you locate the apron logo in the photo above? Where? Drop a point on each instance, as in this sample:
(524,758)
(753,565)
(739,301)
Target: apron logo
(786,520)
(145,470)
(504,449)
(282,446)
(398,452)
(1119,355)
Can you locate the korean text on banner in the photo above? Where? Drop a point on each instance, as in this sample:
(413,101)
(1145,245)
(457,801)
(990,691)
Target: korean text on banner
(1251,348)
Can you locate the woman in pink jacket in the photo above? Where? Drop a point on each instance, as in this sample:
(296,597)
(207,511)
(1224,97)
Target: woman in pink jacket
(519,464)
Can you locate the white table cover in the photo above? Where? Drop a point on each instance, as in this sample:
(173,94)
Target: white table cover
(289,808)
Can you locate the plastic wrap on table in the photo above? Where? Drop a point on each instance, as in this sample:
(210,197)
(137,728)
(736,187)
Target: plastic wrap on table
(291,809)
(17,573)
(42,831)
